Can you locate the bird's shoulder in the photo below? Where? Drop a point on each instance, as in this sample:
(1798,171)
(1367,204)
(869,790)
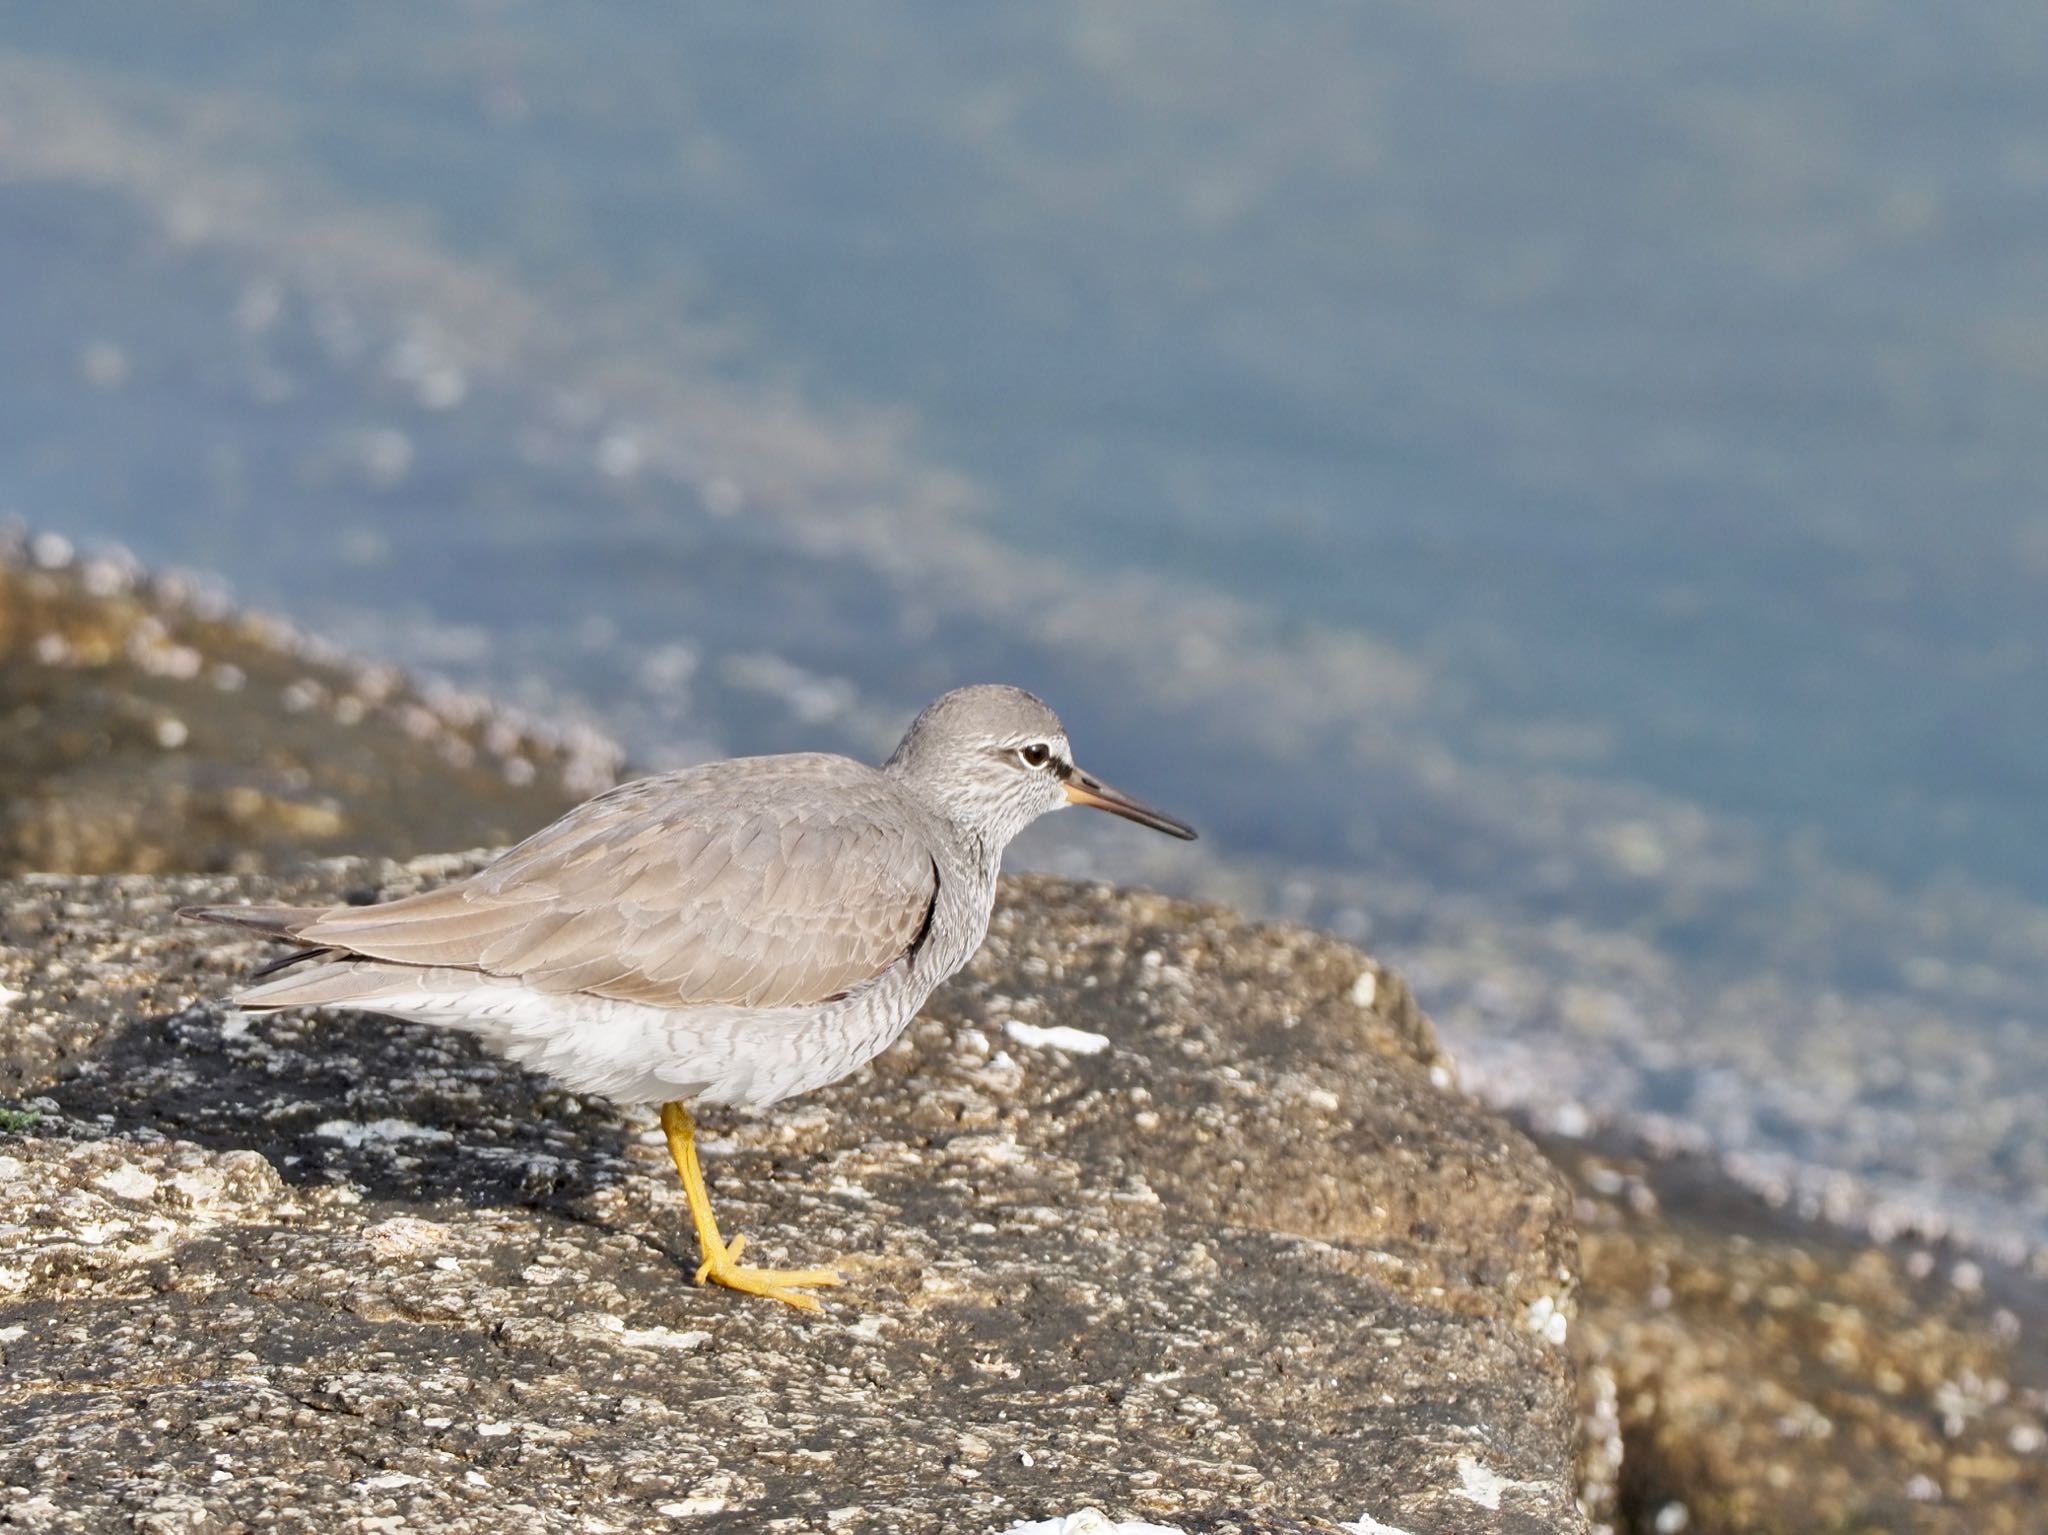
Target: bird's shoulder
(748,788)
(795,810)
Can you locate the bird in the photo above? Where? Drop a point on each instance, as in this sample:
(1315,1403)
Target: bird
(737,932)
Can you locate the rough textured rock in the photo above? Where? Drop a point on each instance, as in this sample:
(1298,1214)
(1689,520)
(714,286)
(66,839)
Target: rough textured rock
(1757,1373)
(143,729)
(1249,1267)
(1234,1256)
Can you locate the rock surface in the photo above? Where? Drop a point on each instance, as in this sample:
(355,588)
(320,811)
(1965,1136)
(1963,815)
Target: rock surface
(1178,1208)
(1231,1255)
(1757,1373)
(145,728)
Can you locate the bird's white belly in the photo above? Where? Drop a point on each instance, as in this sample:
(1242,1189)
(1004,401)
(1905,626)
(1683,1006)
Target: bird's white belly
(630,1052)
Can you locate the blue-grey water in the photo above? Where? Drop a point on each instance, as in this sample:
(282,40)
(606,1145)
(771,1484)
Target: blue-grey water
(1555,491)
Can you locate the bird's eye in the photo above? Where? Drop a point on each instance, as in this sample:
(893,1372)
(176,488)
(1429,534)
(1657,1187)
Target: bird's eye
(1036,755)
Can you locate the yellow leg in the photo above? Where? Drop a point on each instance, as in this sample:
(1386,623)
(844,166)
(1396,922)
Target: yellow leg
(721,1258)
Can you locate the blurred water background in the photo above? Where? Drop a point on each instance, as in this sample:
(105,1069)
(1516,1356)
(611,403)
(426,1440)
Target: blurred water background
(1554,490)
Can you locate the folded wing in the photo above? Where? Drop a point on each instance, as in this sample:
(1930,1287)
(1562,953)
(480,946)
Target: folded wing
(776,888)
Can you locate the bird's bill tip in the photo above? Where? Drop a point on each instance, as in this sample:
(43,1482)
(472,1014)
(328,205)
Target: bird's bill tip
(1082,789)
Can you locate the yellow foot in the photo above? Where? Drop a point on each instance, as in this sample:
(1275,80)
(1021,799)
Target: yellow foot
(785,1285)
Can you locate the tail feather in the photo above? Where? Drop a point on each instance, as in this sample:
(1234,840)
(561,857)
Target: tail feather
(340,982)
(286,961)
(314,974)
(271,921)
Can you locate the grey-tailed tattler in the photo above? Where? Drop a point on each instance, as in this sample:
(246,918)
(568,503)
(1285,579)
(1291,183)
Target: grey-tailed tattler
(734,933)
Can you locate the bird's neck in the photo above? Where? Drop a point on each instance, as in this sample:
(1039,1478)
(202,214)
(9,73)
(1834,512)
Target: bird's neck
(979,839)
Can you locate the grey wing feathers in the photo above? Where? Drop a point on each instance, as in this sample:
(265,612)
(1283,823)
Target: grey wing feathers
(782,886)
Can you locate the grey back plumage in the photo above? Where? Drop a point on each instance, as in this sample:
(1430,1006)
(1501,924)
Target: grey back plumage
(769,882)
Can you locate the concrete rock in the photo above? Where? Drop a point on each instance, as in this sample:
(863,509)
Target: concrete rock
(145,729)
(1154,1212)
(1757,1372)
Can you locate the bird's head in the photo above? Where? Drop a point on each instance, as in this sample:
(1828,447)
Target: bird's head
(994,759)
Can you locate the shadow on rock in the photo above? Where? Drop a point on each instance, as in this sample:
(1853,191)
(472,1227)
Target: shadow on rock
(398,1111)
